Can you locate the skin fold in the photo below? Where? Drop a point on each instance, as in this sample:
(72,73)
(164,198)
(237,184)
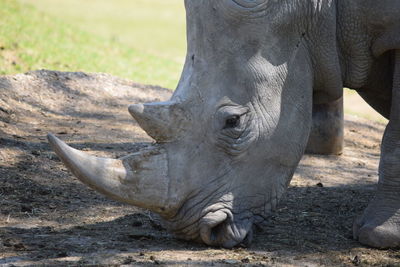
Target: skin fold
(234,131)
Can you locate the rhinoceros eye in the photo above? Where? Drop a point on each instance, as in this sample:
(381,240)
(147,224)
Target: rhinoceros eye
(236,133)
(232,122)
(231,117)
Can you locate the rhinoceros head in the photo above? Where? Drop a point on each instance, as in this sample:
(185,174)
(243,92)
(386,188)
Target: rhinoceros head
(232,134)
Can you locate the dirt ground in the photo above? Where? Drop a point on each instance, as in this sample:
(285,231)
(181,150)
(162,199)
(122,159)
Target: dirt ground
(47,217)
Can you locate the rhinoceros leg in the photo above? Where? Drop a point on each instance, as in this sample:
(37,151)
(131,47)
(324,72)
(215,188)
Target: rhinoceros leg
(379,226)
(326,135)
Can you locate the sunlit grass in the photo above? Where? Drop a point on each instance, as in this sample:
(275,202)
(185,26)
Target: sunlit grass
(33,39)
(156,26)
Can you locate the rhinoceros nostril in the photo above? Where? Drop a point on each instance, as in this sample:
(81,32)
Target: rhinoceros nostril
(212,226)
(217,231)
(248,239)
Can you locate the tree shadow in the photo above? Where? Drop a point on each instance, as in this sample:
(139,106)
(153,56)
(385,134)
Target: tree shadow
(309,220)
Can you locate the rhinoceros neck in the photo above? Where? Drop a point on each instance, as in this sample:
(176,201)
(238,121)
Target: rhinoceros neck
(362,27)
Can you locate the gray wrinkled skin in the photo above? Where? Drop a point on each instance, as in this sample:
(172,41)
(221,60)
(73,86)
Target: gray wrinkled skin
(238,123)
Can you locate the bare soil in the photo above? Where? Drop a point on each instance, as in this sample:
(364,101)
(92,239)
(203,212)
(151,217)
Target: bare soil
(47,217)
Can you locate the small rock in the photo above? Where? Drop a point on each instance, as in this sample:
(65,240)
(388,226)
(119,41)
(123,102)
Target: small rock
(356,261)
(320,185)
(7,243)
(155,261)
(19,246)
(62,254)
(26,208)
(245,260)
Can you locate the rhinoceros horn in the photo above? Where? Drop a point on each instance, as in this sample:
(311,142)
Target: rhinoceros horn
(140,179)
(163,121)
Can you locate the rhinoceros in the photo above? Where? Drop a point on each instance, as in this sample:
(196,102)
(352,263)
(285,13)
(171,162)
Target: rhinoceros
(229,139)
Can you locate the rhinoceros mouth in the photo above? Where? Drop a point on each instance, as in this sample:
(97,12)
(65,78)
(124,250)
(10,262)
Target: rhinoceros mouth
(221,228)
(218,227)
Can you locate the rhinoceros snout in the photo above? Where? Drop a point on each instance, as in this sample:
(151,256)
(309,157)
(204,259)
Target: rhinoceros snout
(220,229)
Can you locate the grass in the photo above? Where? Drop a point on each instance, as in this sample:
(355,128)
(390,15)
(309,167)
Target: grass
(35,37)
(155,26)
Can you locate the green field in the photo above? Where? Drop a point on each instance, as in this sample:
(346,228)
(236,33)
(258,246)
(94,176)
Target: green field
(143,40)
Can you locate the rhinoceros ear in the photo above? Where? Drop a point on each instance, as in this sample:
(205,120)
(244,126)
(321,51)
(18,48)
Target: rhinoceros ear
(163,121)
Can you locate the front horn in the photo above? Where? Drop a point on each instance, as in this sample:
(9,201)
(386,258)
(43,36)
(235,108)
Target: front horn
(140,179)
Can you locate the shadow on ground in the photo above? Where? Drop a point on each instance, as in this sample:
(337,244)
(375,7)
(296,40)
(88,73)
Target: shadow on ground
(48,217)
